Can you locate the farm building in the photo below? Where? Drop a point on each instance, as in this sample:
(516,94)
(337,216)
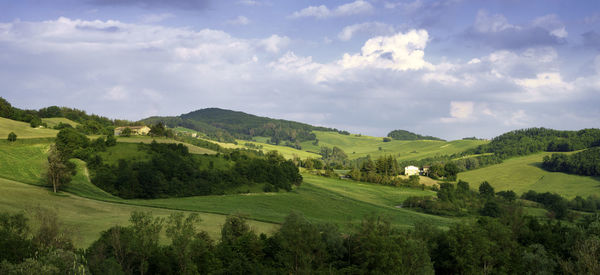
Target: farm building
(135,130)
(411,170)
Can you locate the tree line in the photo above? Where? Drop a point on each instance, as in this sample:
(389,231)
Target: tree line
(511,243)
(586,163)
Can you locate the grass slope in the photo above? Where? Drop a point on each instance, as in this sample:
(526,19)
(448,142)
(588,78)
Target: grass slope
(146,139)
(23,130)
(90,217)
(319,199)
(360,146)
(525,173)
(54,121)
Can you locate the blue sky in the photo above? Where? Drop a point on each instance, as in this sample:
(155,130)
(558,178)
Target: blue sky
(450,68)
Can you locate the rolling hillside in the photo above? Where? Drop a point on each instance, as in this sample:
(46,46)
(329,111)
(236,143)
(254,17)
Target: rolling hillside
(521,174)
(54,121)
(23,130)
(356,146)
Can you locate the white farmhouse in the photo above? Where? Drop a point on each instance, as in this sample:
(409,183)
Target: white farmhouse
(411,170)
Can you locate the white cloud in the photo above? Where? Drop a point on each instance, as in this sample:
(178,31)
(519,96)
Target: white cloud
(275,43)
(354,8)
(552,24)
(459,111)
(240,20)
(402,51)
(373,28)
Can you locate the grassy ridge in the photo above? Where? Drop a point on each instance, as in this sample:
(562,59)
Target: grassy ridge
(525,173)
(360,146)
(90,217)
(23,130)
(145,139)
(54,121)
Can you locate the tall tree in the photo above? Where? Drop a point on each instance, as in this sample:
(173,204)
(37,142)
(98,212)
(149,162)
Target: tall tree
(59,172)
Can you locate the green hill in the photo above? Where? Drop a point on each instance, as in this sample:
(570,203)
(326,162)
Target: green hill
(521,174)
(227,125)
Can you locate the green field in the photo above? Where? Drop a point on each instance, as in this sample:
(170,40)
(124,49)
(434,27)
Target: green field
(145,139)
(287,152)
(359,146)
(89,217)
(54,121)
(23,130)
(525,173)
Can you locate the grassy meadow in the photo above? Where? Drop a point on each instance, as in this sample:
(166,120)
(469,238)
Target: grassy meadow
(88,217)
(522,174)
(54,121)
(146,139)
(356,146)
(23,130)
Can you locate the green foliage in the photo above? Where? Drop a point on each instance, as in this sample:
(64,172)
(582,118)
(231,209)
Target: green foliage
(127,132)
(486,190)
(585,163)
(532,140)
(12,137)
(406,135)
(554,203)
(172,171)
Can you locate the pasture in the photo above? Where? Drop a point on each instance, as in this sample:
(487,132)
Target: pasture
(88,217)
(522,174)
(23,130)
(54,121)
(356,146)
(146,139)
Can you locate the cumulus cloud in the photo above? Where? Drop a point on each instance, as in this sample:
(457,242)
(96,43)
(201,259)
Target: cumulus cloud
(402,51)
(372,28)
(131,71)
(354,8)
(495,31)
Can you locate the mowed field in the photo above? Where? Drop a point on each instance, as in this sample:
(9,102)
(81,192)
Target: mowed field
(23,130)
(359,146)
(522,174)
(146,139)
(88,217)
(54,121)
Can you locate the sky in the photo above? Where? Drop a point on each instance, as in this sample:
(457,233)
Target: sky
(448,68)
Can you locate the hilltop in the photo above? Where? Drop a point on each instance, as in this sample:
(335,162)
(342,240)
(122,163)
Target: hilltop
(228,125)
(406,135)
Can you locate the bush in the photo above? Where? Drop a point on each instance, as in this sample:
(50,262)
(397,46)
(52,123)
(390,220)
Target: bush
(12,137)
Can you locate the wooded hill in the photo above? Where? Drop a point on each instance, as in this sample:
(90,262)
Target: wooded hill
(406,135)
(227,125)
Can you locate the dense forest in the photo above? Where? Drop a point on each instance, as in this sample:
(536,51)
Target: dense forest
(511,243)
(226,125)
(406,135)
(586,163)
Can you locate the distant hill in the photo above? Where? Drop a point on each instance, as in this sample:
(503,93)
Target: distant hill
(227,125)
(528,141)
(406,135)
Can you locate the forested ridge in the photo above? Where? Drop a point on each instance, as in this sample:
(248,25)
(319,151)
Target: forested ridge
(227,125)
(406,135)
